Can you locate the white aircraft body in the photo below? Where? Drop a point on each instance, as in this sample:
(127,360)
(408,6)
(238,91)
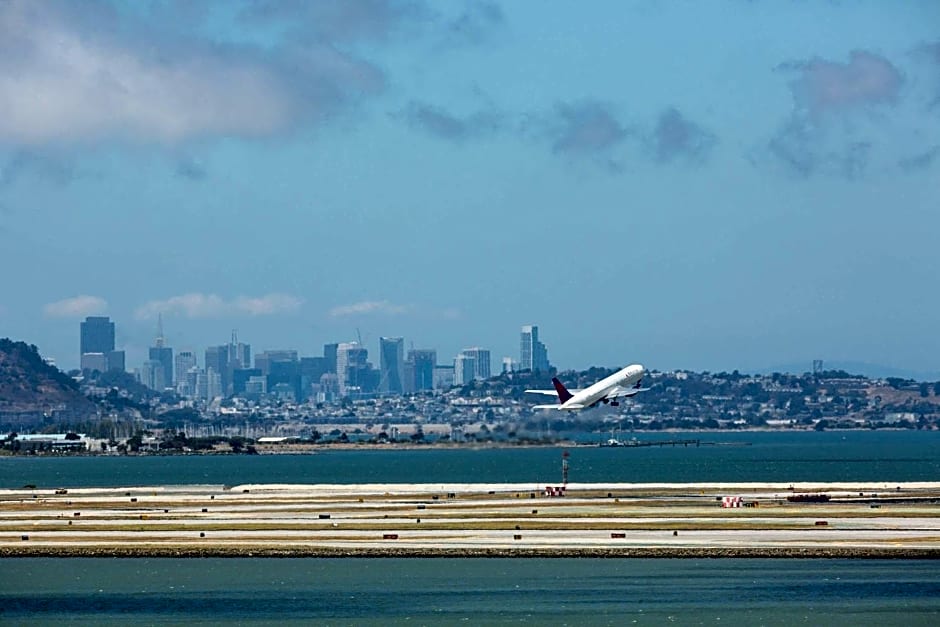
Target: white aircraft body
(622,384)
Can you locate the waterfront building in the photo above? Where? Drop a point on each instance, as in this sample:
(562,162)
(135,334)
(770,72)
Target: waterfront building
(533,353)
(391,364)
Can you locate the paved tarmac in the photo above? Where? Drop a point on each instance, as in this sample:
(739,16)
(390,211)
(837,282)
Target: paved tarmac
(863,520)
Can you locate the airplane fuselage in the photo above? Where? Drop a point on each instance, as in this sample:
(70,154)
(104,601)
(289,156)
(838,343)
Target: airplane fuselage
(588,397)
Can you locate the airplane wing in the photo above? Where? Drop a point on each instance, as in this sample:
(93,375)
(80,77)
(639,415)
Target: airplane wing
(549,392)
(620,392)
(566,408)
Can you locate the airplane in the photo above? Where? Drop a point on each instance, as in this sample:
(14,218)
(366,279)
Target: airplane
(624,383)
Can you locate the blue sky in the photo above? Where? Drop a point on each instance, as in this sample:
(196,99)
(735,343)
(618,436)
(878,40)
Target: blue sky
(703,185)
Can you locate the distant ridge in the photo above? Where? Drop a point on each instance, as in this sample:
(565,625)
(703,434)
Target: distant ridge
(34,393)
(874,371)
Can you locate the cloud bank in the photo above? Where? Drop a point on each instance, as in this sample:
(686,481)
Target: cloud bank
(80,72)
(76,307)
(368,307)
(198,305)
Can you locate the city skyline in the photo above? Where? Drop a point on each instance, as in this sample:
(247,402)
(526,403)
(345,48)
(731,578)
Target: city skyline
(708,186)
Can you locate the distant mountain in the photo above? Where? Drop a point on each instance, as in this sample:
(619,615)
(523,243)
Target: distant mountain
(873,371)
(34,393)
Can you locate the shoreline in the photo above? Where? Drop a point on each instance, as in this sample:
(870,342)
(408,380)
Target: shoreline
(251,552)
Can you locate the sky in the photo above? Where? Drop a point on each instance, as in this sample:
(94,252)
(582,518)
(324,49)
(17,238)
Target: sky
(697,185)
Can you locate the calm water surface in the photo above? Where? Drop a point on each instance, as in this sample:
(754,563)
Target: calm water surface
(477,591)
(878,456)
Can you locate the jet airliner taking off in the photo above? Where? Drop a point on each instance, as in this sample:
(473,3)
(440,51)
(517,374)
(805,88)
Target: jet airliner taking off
(623,383)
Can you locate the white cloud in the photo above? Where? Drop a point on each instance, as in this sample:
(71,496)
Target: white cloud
(70,76)
(76,307)
(198,305)
(269,304)
(367,307)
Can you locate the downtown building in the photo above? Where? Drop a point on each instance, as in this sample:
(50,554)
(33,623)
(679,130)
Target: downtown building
(532,352)
(472,363)
(96,345)
(391,365)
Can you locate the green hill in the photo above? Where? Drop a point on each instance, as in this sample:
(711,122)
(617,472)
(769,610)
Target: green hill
(34,393)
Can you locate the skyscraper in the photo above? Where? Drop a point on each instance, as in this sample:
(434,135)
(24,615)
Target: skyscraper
(183,362)
(532,353)
(351,364)
(391,364)
(162,353)
(481,357)
(151,375)
(329,352)
(217,361)
(97,335)
(424,361)
(464,367)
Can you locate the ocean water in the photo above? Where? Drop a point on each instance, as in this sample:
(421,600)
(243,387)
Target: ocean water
(876,456)
(470,591)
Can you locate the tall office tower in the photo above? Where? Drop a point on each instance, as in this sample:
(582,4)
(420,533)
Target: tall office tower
(509,365)
(151,375)
(97,336)
(464,367)
(162,353)
(481,357)
(264,359)
(443,377)
(201,387)
(408,378)
(217,359)
(214,387)
(186,381)
(329,353)
(424,361)
(311,370)
(239,354)
(116,360)
(351,361)
(532,353)
(241,377)
(391,364)
(183,362)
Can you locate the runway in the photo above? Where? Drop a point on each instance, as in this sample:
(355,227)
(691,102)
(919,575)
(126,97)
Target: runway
(672,520)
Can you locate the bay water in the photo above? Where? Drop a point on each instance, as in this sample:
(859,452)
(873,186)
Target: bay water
(489,591)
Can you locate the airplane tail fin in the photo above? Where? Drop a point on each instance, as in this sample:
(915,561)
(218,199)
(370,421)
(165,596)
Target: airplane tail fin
(563,393)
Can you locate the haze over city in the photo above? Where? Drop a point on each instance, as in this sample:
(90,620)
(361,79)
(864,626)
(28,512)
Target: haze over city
(757,187)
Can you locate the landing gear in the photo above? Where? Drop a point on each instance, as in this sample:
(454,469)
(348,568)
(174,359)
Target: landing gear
(615,403)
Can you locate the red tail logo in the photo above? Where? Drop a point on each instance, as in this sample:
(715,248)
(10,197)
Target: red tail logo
(563,393)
